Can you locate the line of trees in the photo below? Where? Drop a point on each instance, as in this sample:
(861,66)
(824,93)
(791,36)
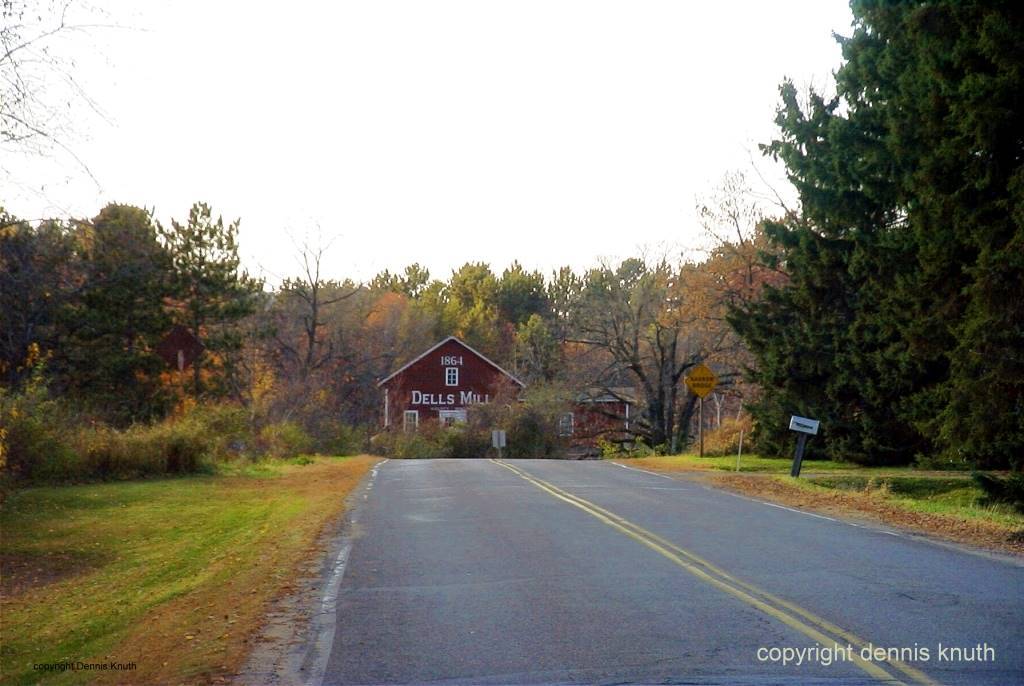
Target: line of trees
(901,323)
(88,301)
(92,299)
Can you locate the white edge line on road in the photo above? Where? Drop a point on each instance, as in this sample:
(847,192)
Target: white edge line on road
(790,509)
(643,471)
(330,599)
(1008,558)
(323,640)
(809,514)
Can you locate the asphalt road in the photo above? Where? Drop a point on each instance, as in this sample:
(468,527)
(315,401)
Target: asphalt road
(471,571)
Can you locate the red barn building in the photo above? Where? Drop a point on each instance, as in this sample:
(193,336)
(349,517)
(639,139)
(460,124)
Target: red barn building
(441,384)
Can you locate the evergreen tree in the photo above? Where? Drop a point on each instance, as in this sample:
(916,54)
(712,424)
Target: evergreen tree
(471,307)
(538,354)
(412,282)
(110,327)
(212,292)
(38,274)
(901,325)
(521,294)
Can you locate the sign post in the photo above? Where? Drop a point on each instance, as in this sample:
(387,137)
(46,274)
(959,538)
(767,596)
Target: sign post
(498,440)
(701,381)
(805,427)
(739,453)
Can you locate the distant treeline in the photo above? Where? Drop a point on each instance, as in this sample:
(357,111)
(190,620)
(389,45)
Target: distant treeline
(86,303)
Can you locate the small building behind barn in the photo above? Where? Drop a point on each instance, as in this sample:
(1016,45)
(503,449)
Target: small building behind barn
(599,414)
(441,384)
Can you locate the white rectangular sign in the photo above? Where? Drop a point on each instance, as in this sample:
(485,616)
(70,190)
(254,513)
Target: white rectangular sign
(804,425)
(497,439)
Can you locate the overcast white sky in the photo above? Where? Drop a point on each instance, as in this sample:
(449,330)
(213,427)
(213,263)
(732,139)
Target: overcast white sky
(554,132)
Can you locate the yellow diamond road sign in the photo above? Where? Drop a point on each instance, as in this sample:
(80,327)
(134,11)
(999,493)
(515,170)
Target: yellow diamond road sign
(701,380)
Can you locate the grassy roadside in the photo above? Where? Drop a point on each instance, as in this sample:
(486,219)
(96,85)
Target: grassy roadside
(748,463)
(172,575)
(944,504)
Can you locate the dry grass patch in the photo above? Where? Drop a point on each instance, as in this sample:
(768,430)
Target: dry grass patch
(173,575)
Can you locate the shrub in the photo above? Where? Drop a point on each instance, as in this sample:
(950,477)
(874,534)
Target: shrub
(608,449)
(1009,490)
(941,462)
(102,451)
(170,447)
(611,449)
(183,445)
(725,440)
(225,428)
(36,429)
(527,434)
(428,442)
(534,433)
(338,438)
(465,441)
(530,423)
(42,441)
(284,439)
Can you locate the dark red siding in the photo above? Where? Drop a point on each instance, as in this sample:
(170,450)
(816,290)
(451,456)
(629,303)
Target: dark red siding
(593,420)
(422,385)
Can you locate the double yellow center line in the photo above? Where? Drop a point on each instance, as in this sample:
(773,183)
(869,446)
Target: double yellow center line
(808,624)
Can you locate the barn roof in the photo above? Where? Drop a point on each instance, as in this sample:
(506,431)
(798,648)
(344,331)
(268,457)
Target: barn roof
(435,347)
(608,394)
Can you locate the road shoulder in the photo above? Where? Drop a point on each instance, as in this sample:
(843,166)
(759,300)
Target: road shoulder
(294,643)
(862,509)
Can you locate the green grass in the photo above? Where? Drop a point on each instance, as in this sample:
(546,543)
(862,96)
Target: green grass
(879,490)
(912,487)
(129,571)
(950,495)
(748,463)
(778,465)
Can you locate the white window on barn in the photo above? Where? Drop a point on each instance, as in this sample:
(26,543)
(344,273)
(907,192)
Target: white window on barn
(411,420)
(451,376)
(565,424)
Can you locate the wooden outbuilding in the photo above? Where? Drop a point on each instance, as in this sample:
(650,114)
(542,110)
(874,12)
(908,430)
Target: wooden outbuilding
(599,414)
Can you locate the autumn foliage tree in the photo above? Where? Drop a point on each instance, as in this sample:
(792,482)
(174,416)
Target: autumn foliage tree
(655,322)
